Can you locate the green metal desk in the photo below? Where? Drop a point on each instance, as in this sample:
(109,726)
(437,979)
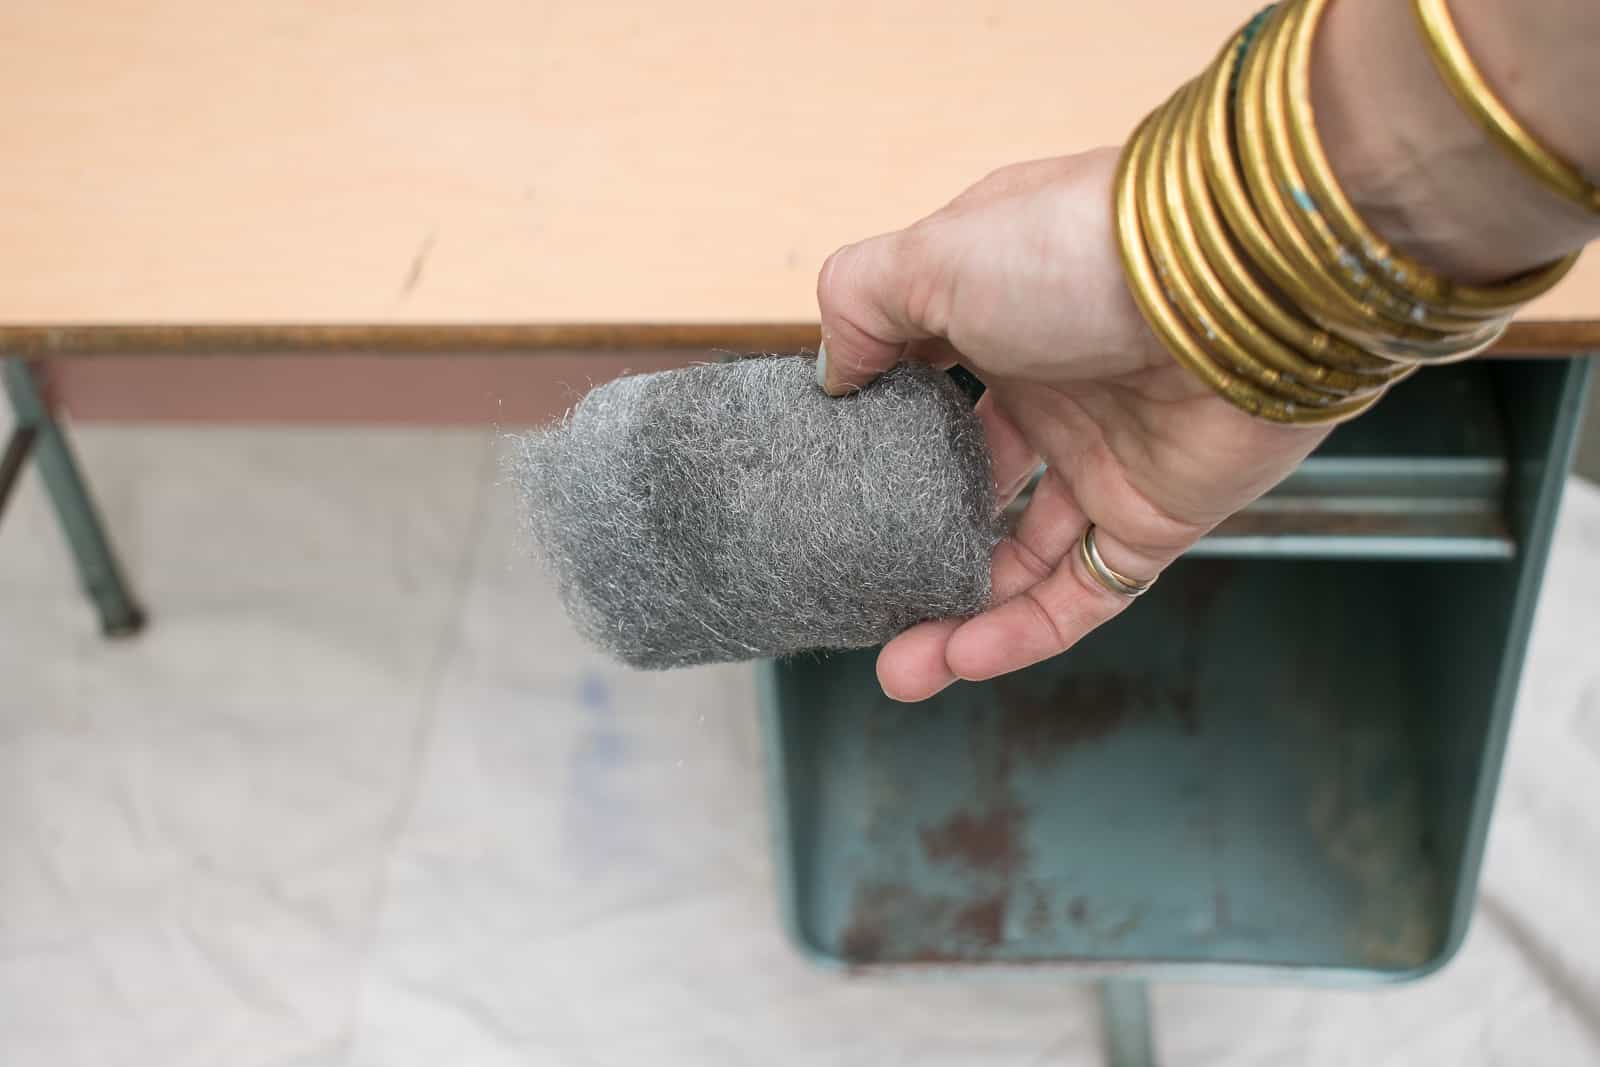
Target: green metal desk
(1279,765)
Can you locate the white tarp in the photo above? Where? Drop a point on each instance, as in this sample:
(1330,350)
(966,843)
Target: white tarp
(358,796)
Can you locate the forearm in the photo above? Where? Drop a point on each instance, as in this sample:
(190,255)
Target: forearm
(1414,162)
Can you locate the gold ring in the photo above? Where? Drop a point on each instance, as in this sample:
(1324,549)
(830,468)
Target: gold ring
(1110,580)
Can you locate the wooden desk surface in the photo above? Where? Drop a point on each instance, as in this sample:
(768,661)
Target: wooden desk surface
(591,166)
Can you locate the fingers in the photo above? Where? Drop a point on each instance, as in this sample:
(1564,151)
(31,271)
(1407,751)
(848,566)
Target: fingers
(1043,620)
(1013,459)
(1047,532)
(912,666)
(1054,610)
(875,298)
(1047,598)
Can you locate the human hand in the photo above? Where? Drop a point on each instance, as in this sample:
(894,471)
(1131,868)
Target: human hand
(1019,280)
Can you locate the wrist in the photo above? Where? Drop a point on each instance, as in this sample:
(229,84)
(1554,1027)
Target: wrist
(1413,162)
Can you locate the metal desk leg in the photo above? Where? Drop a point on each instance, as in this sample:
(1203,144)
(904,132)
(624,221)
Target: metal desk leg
(18,447)
(97,567)
(1125,1004)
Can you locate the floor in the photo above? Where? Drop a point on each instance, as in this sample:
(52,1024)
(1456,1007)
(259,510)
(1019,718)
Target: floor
(1587,461)
(358,797)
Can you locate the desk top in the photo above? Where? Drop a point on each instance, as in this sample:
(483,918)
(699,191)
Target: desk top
(524,161)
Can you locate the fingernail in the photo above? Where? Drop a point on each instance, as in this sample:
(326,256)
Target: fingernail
(822,367)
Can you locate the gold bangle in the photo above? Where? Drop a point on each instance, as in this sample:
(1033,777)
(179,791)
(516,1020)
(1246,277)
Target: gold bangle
(1252,266)
(1398,310)
(1379,257)
(1461,74)
(1344,312)
(1290,264)
(1273,364)
(1227,187)
(1355,315)
(1223,172)
(1284,335)
(1166,324)
(1298,272)
(1216,333)
(1146,289)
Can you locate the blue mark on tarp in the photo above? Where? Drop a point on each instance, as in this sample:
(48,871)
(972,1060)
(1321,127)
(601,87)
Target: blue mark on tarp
(601,828)
(593,692)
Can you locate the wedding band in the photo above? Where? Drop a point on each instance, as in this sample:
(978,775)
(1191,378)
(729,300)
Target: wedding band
(1110,580)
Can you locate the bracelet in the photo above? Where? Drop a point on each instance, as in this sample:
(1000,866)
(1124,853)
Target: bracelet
(1251,264)
(1467,83)
(1426,286)
(1354,275)
(1163,320)
(1284,336)
(1357,306)
(1326,359)
(1190,348)
(1227,186)
(1177,273)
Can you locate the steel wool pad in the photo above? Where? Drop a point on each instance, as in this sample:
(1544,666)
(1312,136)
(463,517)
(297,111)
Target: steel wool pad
(731,511)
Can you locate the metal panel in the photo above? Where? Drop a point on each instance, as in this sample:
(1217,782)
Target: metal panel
(1271,767)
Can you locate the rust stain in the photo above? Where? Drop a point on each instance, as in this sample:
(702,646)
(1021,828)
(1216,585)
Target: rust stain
(987,842)
(1079,709)
(1309,518)
(983,843)
(982,922)
(892,923)
(877,909)
(861,944)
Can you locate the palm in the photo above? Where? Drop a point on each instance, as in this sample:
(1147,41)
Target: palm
(1018,278)
(1152,458)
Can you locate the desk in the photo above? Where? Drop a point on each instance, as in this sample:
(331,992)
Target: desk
(617,176)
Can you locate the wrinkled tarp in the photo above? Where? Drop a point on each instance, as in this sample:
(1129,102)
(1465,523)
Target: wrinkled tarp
(359,796)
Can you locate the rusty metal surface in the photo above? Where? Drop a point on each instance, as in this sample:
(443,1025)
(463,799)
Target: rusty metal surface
(1167,793)
(1271,767)
(1303,528)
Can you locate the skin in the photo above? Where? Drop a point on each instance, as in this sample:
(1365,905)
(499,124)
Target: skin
(1019,280)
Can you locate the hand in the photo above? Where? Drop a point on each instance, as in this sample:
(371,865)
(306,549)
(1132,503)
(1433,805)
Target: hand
(1018,279)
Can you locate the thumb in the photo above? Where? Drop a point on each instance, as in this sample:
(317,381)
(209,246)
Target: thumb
(875,298)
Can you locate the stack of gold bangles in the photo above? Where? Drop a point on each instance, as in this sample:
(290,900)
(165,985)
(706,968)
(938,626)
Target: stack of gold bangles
(1251,264)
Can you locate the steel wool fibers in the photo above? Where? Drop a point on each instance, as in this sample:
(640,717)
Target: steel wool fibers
(730,511)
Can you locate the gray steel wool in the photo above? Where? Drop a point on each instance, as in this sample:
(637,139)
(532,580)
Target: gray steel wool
(730,511)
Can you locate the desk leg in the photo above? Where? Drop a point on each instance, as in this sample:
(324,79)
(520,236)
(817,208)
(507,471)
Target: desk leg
(1125,1005)
(36,428)
(18,447)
